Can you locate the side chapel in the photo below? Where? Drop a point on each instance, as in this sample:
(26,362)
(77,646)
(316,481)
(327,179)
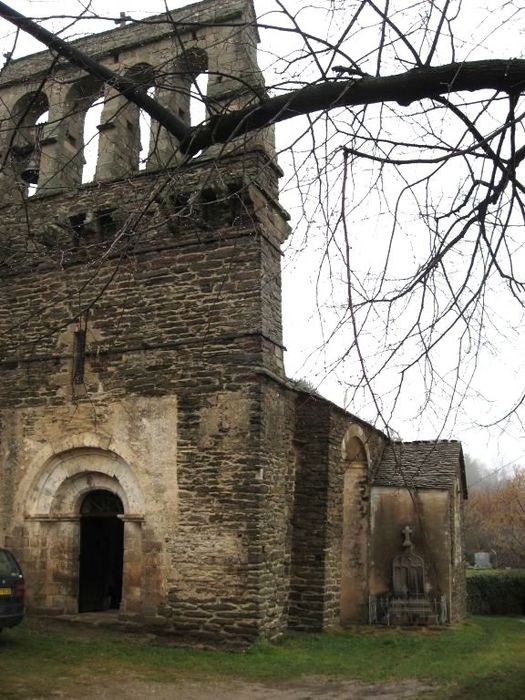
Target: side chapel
(154,458)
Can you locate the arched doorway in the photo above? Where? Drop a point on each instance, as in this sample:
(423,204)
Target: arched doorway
(101,551)
(52,499)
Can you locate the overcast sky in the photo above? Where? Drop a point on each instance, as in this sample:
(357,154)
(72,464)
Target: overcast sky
(310,309)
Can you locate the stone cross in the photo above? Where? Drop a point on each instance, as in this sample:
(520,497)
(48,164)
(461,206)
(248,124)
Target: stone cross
(407,531)
(122,19)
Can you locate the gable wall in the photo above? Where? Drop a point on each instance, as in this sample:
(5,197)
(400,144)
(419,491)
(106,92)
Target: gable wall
(427,512)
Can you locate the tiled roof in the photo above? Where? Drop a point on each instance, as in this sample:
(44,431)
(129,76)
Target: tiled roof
(421,464)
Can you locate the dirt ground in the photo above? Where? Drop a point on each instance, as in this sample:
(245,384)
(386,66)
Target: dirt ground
(312,689)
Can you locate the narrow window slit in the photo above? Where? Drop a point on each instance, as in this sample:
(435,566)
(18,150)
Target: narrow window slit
(79,356)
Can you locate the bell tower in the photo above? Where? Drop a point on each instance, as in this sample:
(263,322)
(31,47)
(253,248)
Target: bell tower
(139,324)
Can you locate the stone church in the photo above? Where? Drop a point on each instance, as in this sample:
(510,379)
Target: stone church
(154,459)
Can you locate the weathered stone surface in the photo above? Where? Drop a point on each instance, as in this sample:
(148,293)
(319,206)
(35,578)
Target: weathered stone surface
(141,353)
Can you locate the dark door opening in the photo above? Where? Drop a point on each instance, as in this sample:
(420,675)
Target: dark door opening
(101,552)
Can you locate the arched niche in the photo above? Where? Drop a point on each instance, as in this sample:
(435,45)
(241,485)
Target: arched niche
(81,97)
(354,526)
(62,158)
(355,450)
(32,174)
(91,138)
(27,122)
(181,83)
(355,445)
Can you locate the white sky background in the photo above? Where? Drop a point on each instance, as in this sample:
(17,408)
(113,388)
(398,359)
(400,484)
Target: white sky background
(312,305)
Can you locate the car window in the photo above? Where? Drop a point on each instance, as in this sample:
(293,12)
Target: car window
(7,564)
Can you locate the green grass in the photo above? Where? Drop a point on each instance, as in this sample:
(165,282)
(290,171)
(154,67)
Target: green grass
(482,658)
(473,573)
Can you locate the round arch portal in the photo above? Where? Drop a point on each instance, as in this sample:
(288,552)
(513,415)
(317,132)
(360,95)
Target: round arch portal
(84,513)
(67,477)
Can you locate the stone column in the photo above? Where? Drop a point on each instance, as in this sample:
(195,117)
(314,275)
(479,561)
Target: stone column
(9,187)
(132,574)
(119,144)
(235,82)
(175,96)
(61,157)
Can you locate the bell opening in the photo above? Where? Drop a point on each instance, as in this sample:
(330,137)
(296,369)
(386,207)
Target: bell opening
(30,175)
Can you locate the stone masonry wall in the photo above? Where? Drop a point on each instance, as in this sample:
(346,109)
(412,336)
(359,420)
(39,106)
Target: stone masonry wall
(307,587)
(175,311)
(141,352)
(128,446)
(277,476)
(317,556)
(138,317)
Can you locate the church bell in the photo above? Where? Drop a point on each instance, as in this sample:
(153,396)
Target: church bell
(30,173)
(32,169)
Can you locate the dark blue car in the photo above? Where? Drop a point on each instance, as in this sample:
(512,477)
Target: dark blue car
(12,590)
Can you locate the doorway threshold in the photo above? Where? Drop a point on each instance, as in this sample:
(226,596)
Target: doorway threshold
(108,619)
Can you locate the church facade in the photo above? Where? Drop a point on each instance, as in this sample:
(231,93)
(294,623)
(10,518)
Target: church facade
(154,458)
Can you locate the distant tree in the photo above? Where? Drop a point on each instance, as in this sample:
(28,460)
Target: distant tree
(476,472)
(495,520)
